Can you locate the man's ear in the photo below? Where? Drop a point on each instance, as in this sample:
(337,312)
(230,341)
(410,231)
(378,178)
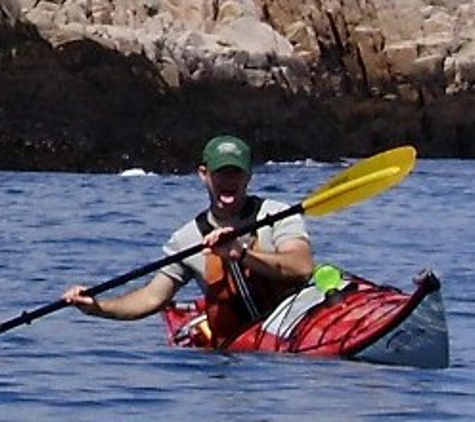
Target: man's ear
(202,172)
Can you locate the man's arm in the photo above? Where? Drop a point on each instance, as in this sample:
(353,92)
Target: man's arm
(136,304)
(292,262)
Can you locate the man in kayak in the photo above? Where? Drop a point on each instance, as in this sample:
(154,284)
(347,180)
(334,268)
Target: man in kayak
(242,278)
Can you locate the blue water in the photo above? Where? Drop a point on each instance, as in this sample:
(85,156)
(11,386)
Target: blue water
(59,229)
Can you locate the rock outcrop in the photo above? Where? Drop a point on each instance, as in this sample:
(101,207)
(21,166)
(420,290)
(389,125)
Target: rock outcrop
(102,85)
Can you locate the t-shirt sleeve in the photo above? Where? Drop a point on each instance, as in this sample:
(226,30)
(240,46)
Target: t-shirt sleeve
(178,270)
(289,228)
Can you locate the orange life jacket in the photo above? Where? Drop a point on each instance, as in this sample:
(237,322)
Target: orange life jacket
(226,307)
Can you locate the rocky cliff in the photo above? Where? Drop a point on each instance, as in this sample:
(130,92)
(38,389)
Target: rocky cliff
(103,85)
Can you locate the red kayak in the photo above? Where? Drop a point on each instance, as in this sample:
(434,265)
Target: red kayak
(361,320)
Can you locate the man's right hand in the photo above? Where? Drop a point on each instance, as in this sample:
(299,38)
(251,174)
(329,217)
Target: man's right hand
(87,304)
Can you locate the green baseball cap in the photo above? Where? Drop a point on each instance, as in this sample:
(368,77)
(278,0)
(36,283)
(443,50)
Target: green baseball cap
(223,151)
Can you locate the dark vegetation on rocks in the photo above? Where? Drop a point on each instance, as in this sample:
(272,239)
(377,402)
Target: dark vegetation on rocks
(72,101)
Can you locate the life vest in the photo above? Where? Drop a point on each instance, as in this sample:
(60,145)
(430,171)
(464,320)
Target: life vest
(226,308)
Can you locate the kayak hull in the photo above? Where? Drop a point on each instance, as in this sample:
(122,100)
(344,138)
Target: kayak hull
(421,339)
(362,321)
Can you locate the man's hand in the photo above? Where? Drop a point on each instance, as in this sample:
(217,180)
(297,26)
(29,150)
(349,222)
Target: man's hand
(213,243)
(87,304)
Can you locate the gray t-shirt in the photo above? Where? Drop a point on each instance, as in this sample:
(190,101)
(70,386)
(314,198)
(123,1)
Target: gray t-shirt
(269,238)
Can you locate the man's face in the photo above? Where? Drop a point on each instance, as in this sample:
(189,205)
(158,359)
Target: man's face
(227,188)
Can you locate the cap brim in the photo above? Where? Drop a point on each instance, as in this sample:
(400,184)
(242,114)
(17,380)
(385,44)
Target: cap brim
(214,165)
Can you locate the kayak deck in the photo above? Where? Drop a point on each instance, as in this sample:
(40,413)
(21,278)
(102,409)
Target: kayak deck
(362,321)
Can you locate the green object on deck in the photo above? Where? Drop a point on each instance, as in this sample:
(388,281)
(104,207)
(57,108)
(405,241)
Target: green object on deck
(327,278)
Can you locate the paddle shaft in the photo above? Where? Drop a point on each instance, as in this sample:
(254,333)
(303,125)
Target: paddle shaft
(28,316)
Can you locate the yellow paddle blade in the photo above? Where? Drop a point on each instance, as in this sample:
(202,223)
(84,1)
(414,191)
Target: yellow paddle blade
(365,179)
